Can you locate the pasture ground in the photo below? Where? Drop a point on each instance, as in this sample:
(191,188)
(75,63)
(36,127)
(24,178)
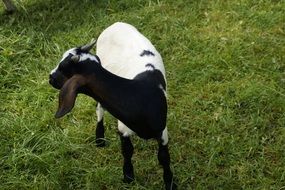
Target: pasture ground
(226,84)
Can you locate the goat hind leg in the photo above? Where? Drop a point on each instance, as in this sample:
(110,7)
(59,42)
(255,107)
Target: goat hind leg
(164,160)
(127,151)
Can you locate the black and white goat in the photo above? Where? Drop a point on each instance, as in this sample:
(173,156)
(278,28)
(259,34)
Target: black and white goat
(129,82)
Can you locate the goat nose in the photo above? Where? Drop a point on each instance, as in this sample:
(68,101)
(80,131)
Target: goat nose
(51,79)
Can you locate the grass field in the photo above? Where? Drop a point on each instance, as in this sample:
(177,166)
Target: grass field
(226,84)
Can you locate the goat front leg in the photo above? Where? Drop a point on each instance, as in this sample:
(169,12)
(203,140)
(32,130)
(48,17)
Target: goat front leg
(100,130)
(127,151)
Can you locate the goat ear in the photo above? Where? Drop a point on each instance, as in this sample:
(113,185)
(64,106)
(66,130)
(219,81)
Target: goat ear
(68,95)
(89,46)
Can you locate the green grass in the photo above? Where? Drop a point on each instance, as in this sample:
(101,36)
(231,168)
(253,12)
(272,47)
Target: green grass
(226,84)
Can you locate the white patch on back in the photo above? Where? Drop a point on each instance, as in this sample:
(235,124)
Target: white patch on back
(125,43)
(164,136)
(124,130)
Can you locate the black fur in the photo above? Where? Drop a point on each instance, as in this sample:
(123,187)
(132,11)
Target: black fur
(155,77)
(147,53)
(164,161)
(100,130)
(127,151)
(150,65)
(145,108)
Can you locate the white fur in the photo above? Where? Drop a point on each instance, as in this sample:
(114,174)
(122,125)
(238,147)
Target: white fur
(119,47)
(99,112)
(54,70)
(72,51)
(164,91)
(124,130)
(148,68)
(164,136)
(85,56)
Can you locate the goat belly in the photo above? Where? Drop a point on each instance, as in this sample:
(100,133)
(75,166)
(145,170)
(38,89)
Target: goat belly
(143,130)
(148,134)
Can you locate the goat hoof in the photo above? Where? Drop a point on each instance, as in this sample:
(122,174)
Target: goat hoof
(170,186)
(100,142)
(128,179)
